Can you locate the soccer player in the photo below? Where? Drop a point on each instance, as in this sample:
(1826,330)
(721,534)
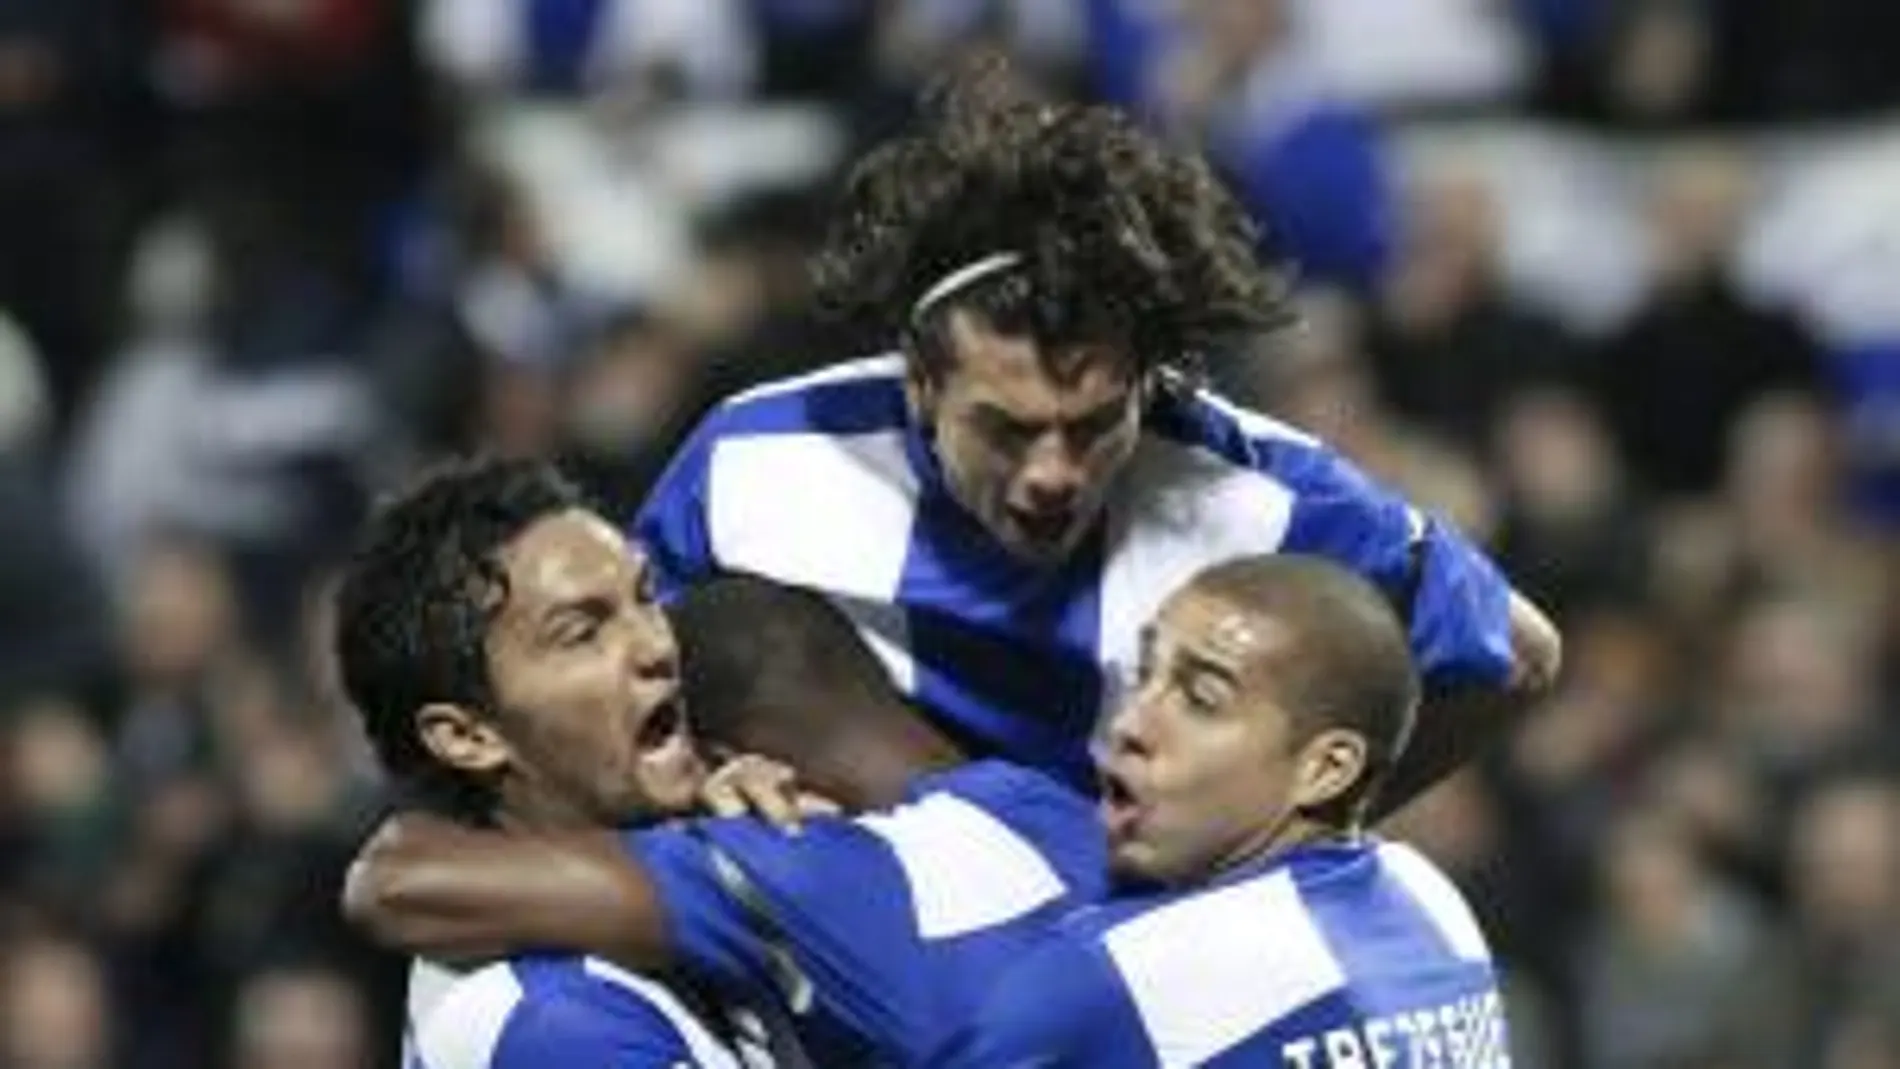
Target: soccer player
(874,935)
(503,647)
(1001,503)
(1275,697)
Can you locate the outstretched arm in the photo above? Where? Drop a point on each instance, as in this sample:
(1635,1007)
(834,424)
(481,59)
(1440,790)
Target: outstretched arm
(451,893)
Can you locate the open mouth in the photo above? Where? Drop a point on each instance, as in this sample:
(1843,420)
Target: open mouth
(663,725)
(1119,806)
(1042,528)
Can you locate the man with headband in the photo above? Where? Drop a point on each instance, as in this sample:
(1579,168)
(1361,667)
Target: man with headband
(1000,504)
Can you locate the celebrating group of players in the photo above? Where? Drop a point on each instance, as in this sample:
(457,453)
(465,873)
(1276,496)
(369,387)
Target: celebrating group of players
(1063,691)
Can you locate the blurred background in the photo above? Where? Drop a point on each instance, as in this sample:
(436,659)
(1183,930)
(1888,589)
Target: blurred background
(1614,284)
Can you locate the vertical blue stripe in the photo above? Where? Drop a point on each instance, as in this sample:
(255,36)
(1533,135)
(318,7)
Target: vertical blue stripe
(978,618)
(672,524)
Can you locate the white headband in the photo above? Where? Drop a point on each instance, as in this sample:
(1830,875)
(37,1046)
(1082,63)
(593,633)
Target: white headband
(969,273)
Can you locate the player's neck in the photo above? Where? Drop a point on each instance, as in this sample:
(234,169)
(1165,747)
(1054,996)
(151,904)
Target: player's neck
(875,769)
(526,809)
(1295,832)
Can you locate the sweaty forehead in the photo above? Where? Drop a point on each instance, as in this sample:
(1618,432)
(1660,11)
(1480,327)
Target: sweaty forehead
(1214,628)
(570,555)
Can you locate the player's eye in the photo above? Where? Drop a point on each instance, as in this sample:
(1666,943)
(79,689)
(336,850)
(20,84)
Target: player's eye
(1203,695)
(1005,434)
(1093,430)
(578,630)
(1013,438)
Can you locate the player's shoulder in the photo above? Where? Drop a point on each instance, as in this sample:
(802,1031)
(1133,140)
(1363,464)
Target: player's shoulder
(1195,439)
(1232,431)
(1163,939)
(1436,896)
(856,396)
(1012,812)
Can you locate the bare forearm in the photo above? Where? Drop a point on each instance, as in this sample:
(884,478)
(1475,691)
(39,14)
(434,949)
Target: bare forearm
(454,894)
(1455,726)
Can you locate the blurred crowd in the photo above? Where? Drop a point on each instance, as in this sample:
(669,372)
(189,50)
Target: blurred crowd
(1614,284)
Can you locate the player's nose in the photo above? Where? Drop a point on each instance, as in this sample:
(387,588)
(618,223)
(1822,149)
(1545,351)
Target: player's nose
(1127,729)
(1052,483)
(653,654)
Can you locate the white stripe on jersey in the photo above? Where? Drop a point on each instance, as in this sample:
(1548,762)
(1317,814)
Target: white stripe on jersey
(1186,509)
(428,982)
(1273,960)
(765,516)
(776,502)
(463,1027)
(1439,898)
(967,870)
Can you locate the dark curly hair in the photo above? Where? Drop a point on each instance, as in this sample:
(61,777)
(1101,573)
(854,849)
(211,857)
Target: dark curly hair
(414,603)
(1122,238)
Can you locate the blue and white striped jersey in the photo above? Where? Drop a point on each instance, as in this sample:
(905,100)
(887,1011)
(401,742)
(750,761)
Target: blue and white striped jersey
(879,934)
(822,482)
(557,1012)
(1338,956)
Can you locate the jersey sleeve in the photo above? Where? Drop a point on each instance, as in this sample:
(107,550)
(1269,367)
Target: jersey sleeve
(1060,1007)
(1456,601)
(673,523)
(818,922)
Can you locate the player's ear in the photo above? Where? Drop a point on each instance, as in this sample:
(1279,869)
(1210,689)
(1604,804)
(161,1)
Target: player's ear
(1331,766)
(460,739)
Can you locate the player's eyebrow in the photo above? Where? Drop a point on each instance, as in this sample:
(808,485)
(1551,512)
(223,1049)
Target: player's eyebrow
(590,604)
(1001,417)
(1193,663)
(1107,412)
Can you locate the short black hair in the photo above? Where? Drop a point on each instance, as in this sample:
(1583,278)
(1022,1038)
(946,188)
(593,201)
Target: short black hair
(751,647)
(414,603)
(1352,664)
(1122,238)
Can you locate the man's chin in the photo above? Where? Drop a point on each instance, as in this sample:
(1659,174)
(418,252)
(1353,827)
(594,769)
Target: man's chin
(1045,553)
(1132,864)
